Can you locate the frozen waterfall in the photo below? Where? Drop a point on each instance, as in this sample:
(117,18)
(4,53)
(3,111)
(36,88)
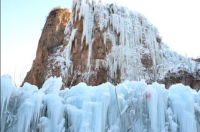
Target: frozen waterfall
(127,107)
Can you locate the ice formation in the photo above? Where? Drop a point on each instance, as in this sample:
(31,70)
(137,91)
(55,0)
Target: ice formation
(126,107)
(129,33)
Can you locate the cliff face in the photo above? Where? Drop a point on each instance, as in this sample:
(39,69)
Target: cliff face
(103,42)
(51,38)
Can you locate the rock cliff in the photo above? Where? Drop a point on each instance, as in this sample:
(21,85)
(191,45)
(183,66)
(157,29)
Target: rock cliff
(101,42)
(51,38)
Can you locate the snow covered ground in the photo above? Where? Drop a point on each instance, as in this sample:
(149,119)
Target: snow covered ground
(127,107)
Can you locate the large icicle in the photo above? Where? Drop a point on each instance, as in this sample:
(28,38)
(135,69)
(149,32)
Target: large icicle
(182,103)
(7,91)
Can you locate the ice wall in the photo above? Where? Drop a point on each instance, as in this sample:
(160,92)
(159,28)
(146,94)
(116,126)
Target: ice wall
(127,107)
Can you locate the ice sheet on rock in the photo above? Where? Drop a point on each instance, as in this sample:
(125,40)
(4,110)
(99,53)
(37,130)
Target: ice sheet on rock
(69,47)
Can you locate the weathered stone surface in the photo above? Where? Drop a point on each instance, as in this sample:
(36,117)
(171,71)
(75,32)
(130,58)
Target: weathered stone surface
(52,37)
(188,79)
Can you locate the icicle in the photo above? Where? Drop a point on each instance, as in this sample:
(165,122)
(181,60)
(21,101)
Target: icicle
(90,56)
(182,104)
(7,90)
(151,97)
(69,46)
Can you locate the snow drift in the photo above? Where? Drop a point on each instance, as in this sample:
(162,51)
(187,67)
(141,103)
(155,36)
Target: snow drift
(127,107)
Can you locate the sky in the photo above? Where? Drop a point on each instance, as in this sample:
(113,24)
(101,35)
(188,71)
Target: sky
(22,21)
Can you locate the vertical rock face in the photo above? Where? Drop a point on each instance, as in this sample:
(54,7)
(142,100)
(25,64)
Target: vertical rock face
(51,38)
(102,42)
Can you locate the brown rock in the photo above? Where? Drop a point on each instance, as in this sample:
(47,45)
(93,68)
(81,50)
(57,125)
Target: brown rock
(51,38)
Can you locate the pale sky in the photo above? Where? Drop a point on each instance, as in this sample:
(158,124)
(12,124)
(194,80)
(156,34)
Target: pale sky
(178,22)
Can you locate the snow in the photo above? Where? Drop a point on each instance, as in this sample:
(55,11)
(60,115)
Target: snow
(128,106)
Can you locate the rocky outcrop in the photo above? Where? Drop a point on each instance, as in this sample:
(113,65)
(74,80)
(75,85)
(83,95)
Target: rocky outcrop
(102,42)
(197,60)
(96,41)
(189,78)
(52,37)
(184,77)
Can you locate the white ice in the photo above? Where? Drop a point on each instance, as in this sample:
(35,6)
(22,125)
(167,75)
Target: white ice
(129,106)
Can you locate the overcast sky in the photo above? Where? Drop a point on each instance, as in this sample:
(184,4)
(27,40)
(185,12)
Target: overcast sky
(178,22)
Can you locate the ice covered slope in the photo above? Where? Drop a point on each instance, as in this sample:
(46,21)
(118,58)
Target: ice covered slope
(127,107)
(110,43)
